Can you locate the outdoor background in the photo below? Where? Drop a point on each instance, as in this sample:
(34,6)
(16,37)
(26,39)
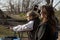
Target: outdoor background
(13,12)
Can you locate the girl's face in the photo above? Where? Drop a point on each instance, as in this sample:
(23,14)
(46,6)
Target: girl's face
(43,12)
(29,17)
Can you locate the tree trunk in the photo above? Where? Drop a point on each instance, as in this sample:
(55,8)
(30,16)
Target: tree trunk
(49,2)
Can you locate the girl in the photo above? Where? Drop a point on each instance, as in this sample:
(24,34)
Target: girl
(31,26)
(47,29)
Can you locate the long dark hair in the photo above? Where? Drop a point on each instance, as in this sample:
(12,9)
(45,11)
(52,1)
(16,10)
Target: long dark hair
(50,17)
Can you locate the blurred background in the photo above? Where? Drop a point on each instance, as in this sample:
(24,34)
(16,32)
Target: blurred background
(13,12)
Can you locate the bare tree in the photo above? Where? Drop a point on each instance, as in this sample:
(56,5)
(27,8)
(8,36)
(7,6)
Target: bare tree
(25,5)
(10,7)
(56,4)
(18,6)
(13,8)
(49,2)
(28,4)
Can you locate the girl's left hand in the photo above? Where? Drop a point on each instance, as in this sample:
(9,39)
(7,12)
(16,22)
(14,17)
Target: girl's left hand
(11,28)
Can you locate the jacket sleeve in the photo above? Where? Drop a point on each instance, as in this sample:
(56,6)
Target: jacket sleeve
(25,27)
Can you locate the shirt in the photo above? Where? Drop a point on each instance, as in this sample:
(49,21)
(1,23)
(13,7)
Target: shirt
(25,27)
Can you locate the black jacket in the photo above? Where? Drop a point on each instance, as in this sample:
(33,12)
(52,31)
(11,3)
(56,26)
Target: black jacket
(48,35)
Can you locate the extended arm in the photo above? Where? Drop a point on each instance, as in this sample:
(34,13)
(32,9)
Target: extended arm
(25,27)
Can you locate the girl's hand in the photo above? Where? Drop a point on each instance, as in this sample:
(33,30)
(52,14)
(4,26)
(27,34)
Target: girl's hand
(11,28)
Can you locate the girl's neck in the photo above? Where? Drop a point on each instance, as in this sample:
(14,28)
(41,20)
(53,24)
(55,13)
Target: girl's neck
(44,20)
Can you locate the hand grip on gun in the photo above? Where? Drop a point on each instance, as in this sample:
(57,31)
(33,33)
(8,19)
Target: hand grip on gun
(11,28)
